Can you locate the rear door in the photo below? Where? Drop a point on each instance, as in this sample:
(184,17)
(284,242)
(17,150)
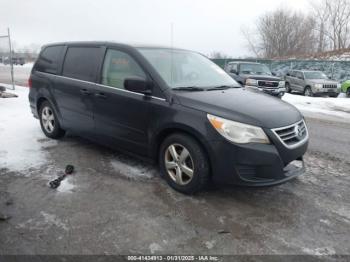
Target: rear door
(122,117)
(299,85)
(75,87)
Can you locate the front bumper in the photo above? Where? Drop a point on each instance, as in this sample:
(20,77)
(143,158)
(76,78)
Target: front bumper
(325,91)
(255,164)
(271,91)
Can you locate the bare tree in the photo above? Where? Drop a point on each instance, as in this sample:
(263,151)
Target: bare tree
(321,14)
(251,41)
(283,33)
(332,23)
(339,22)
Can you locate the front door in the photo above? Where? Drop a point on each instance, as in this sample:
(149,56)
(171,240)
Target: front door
(121,116)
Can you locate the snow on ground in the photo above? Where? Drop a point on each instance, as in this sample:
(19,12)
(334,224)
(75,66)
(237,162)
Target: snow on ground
(22,144)
(332,107)
(20,148)
(27,65)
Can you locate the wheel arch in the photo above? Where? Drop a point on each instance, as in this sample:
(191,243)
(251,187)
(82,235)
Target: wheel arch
(182,129)
(41,99)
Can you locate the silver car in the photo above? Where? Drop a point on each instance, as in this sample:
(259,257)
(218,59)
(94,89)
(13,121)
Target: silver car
(311,83)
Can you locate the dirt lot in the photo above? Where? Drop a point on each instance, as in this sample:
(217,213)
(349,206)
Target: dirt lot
(115,204)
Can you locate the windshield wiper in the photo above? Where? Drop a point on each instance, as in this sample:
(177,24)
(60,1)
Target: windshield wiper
(223,87)
(188,88)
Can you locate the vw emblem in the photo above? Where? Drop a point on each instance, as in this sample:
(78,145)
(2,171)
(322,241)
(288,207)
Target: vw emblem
(299,132)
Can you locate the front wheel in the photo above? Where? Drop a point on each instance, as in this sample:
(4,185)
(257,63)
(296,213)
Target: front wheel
(184,164)
(49,121)
(287,86)
(308,92)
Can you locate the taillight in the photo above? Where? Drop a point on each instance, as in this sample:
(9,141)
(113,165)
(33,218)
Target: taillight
(30,82)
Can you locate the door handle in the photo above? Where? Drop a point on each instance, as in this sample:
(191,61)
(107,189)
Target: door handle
(85,92)
(101,95)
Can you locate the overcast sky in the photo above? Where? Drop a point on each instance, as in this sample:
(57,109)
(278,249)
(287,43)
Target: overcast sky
(201,25)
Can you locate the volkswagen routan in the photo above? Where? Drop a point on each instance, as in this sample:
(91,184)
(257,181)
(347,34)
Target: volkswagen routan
(172,106)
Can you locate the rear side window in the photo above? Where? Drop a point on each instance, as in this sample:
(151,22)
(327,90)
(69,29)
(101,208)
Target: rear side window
(49,60)
(117,67)
(81,63)
(300,75)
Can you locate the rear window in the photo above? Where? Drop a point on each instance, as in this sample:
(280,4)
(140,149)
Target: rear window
(49,59)
(81,63)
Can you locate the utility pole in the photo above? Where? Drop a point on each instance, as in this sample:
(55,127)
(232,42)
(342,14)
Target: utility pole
(11,62)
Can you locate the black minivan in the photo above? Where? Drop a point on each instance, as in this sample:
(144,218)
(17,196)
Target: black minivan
(172,106)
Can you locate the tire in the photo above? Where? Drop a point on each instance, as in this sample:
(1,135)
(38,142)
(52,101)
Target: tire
(50,126)
(287,86)
(348,93)
(196,160)
(308,92)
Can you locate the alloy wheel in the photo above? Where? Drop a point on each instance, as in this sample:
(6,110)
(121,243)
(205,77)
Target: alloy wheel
(48,119)
(179,164)
(308,92)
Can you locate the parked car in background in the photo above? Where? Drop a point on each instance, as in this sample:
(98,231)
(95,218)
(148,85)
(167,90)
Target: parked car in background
(311,83)
(345,88)
(172,106)
(257,76)
(15,61)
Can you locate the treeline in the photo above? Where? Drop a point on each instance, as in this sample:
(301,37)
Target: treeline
(285,33)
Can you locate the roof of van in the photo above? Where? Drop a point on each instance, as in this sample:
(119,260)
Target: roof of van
(110,43)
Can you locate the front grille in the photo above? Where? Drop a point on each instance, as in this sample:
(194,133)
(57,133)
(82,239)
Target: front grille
(264,83)
(330,86)
(293,135)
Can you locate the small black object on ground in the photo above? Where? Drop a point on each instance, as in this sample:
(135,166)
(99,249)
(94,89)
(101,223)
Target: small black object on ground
(4,94)
(4,217)
(57,182)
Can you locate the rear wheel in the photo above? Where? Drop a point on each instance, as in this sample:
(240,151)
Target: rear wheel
(49,121)
(287,86)
(308,92)
(184,164)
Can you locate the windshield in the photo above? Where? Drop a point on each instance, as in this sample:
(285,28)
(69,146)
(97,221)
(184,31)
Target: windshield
(181,68)
(315,75)
(254,69)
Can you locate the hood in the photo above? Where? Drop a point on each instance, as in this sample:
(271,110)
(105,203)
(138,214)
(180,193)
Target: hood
(323,81)
(242,105)
(261,77)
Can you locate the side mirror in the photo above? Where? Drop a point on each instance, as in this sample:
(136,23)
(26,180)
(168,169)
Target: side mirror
(273,73)
(233,71)
(287,74)
(138,85)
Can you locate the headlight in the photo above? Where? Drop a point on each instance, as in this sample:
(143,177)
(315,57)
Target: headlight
(238,132)
(281,84)
(251,82)
(318,85)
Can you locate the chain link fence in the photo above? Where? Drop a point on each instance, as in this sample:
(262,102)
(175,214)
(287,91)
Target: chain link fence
(337,70)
